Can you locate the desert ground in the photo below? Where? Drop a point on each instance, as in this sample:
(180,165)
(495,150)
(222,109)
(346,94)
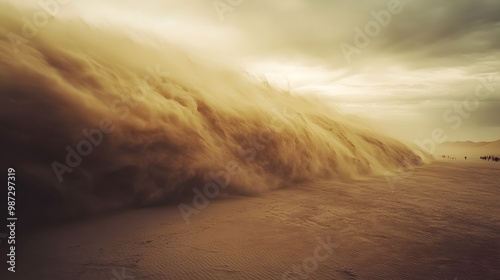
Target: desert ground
(438,221)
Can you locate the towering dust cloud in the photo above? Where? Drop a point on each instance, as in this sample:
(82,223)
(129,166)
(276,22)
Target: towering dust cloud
(93,121)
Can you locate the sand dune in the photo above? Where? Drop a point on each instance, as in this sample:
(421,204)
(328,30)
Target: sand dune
(97,127)
(439,222)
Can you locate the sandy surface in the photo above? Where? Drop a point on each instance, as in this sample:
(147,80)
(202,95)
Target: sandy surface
(441,221)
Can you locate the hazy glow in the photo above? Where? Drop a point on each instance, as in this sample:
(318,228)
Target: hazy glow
(163,123)
(427,57)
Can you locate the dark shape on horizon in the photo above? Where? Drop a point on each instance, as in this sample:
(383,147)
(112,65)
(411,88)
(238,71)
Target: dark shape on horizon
(492,158)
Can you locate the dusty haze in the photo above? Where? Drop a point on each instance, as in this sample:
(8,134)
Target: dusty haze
(161,124)
(159,139)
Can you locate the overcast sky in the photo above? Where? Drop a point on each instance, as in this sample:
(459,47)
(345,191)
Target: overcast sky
(403,63)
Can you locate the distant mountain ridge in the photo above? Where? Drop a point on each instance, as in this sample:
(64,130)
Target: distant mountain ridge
(473,149)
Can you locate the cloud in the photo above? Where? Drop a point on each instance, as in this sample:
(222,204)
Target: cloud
(429,55)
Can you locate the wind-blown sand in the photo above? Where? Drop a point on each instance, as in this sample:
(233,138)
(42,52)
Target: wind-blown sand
(94,127)
(441,221)
(96,123)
